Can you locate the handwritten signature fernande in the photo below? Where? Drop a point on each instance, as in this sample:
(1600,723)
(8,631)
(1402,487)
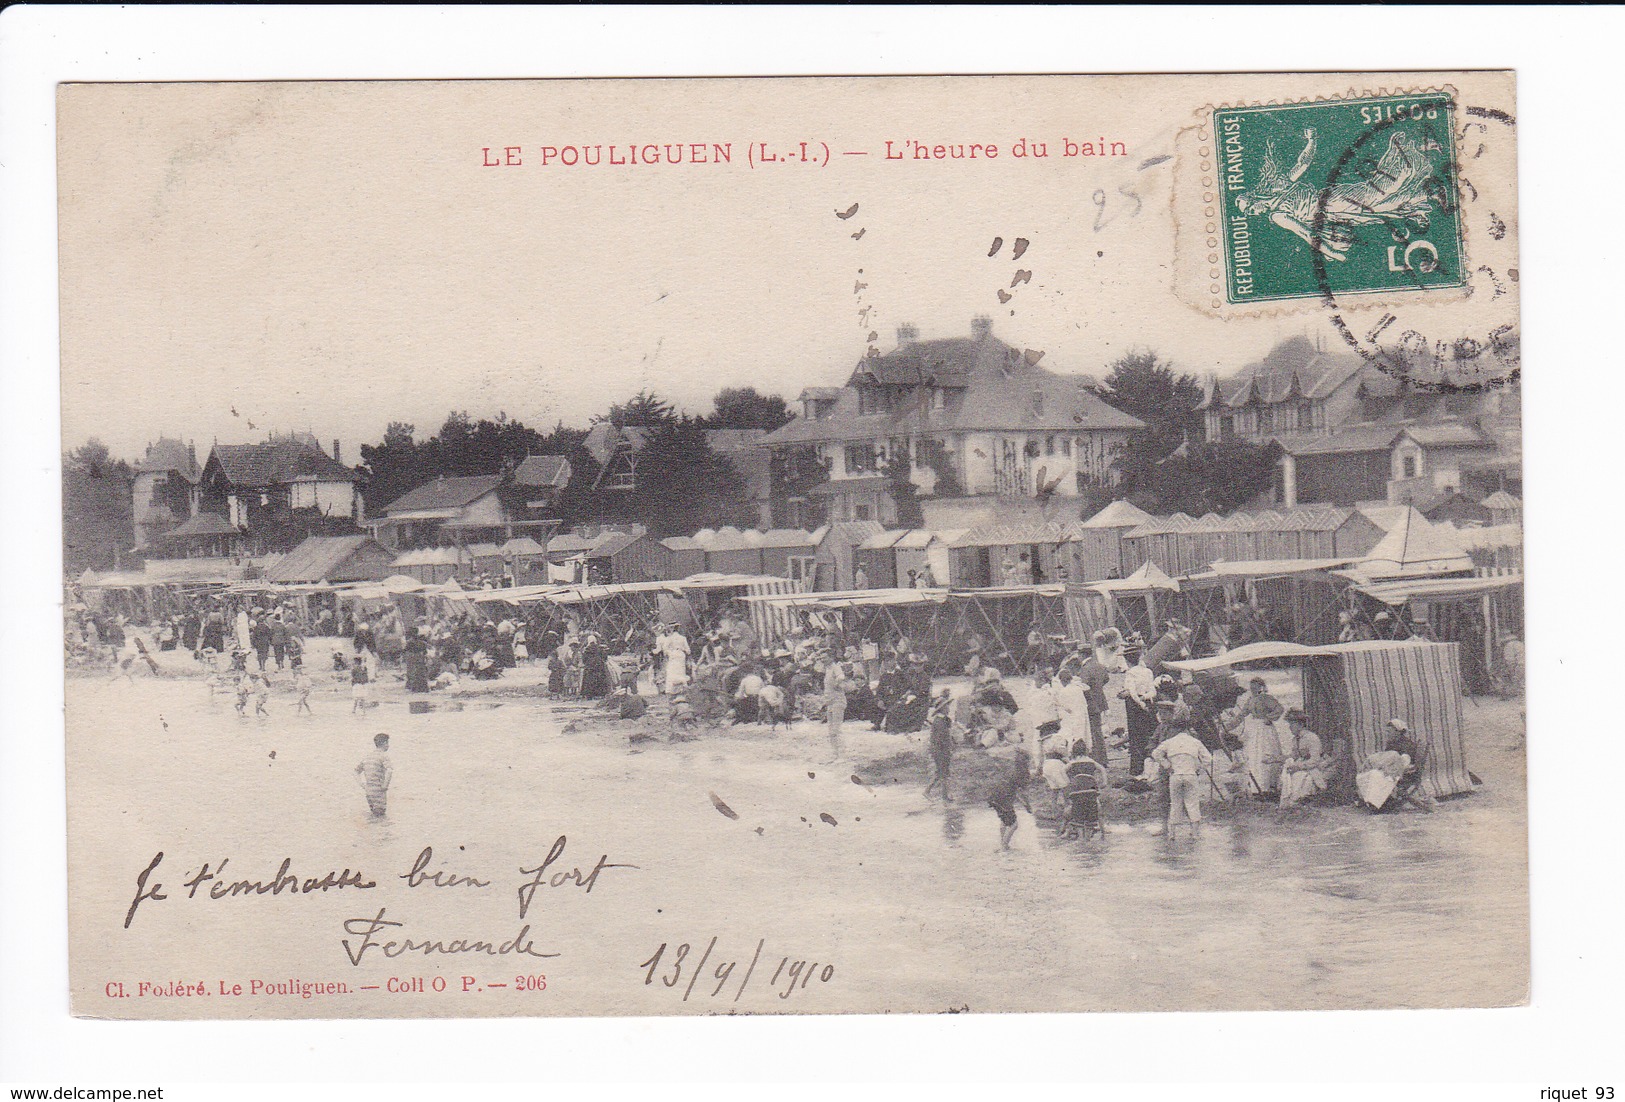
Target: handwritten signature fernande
(374,933)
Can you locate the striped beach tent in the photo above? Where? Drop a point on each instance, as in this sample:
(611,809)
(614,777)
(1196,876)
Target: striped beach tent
(1360,687)
(1352,690)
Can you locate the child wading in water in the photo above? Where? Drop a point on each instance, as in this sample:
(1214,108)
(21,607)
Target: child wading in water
(245,689)
(375,773)
(1006,792)
(358,685)
(262,690)
(301,686)
(941,744)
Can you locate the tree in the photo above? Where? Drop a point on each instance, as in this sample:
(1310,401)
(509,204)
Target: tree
(98,513)
(391,468)
(683,485)
(1168,467)
(904,494)
(793,473)
(1229,474)
(741,407)
(645,409)
(1140,384)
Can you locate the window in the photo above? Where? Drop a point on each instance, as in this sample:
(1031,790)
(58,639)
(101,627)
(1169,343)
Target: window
(1049,445)
(875,399)
(1227,428)
(860,457)
(861,511)
(1408,466)
(1306,415)
(939,399)
(1066,445)
(802,568)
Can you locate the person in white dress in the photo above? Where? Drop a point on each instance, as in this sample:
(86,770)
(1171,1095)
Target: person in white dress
(672,646)
(1305,770)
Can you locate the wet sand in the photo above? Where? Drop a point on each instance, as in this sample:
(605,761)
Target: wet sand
(893,903)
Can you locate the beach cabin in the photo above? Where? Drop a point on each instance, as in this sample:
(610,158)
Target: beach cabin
(628,556)
(731,551)
(333,559)
(1010,554)
(837,546)
(789,553)
(429,565)
(683,556)
(484,558)
(925,552)
(1097,543)
(526,560)
(875,557)
(1503,508)
(1154,542)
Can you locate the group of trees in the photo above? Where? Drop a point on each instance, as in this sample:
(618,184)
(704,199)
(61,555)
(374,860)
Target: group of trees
(684,484)
(1170,467)
(463,447)
(98,515)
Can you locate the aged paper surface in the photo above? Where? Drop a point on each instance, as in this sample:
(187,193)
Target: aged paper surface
(606,661)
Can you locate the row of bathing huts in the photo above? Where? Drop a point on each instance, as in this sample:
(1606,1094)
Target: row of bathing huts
(1113,543)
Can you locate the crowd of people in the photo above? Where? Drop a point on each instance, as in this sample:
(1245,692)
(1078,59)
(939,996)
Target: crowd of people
(1182,738)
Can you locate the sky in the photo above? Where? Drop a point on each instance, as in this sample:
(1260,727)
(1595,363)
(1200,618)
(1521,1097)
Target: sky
(331,257)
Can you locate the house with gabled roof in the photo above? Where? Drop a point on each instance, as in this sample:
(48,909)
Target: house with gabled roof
(974,416)
(1349,431)
(255,486)
(450,507)
(1298,387)
(482,508)
(162,491)
(542,478)
(616,449)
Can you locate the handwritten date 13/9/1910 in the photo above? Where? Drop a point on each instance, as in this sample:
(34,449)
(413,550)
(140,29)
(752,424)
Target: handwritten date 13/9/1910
(716,974)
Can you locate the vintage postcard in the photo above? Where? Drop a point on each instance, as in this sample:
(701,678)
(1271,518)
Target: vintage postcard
(793,546)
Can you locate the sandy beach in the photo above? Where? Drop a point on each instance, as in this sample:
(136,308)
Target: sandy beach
(836,888)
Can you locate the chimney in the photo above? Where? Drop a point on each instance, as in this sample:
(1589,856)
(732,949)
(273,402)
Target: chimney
(981,326)
(191,451)
(907,334)
(336,457)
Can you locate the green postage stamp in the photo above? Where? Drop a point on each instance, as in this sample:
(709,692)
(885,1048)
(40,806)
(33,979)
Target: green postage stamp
(1338,197)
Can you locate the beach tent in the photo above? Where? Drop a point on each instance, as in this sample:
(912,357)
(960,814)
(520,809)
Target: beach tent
(1352,690)
(873,614)
(770,623)
(1119,514)
(1413,548)
(1132,604)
